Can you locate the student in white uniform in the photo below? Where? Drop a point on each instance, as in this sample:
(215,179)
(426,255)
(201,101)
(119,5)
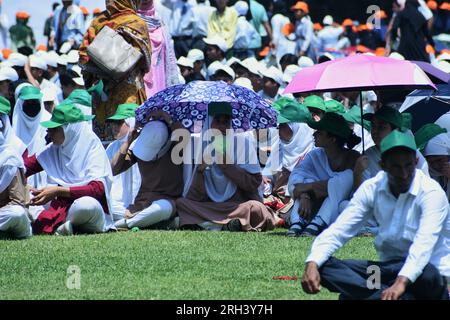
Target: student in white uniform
(14,220)
(413,243)
(126,184)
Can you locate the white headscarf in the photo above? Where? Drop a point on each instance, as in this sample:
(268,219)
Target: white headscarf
(10,159)
(29,129)
(218,187)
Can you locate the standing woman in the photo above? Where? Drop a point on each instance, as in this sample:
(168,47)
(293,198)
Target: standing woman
(79,172)
(163,70)
(225,194)
(120,15)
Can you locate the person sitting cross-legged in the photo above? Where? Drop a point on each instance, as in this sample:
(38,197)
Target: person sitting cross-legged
(413,242)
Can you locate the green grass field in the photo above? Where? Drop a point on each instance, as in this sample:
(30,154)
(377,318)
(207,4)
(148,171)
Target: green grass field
(163,265)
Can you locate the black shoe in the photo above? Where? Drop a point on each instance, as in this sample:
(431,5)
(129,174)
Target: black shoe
(233,226)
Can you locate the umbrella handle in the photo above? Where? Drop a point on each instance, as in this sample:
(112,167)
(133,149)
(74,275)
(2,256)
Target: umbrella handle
(362,121)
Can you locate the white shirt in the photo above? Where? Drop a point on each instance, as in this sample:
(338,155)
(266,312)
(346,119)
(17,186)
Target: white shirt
(415,226)
(245,34)
(182,20)
(328,37)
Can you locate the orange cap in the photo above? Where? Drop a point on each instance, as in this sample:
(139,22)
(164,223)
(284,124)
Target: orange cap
(361,48)
(430,50)
(317,26)
(84,10)
(6,52)
(381,14)
(300,5)
(287,29)
(432,5)
(445,6)
(380,51)
(41,47)
(96,11)
(347,23)
(22,15)
(264,52)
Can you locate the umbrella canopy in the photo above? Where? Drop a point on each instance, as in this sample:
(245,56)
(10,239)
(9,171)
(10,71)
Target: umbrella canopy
(360,72)
(188,104)
(427,106)
(436,75)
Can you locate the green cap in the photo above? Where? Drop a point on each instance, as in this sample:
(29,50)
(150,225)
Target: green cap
(289,110)
(387,114)
(124,111)
(354,115)
(80,96)
(333,123)
(315,102)
(215,108)
(30,93)
(397,139)
(334,106)
(426,133)
(406,121)
(5,106)
(65,113)
(97,88)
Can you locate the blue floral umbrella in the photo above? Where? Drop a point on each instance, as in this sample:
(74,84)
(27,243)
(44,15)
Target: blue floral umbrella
(188,104)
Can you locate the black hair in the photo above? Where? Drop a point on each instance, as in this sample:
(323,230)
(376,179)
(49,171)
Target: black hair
(55,5)
(288,59)
(386,155)
(249,15)
(66,78)
(351,142)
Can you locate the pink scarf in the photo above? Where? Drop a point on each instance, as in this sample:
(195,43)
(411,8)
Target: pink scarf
(163,71)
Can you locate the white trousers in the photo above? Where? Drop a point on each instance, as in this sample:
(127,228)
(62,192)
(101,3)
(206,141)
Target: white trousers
(158,211)
(15,222)
(87,216)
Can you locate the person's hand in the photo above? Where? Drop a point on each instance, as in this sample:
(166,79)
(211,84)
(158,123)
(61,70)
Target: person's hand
(160,115)
(302,53)
(266,180)
(311,278)
(133,135)
(305,206)
(361,164)
(44,196)
(395,291)
(51,42)
(300,189)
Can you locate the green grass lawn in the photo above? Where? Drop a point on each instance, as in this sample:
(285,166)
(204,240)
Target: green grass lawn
(163,265)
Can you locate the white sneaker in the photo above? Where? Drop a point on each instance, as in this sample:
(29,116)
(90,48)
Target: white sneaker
(65,229)
(121,224)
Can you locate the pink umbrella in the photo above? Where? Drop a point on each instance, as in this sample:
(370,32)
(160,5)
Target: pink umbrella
(360,72)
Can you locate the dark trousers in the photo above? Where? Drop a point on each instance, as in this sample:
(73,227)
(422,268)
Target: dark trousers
(182,45)
(349,278)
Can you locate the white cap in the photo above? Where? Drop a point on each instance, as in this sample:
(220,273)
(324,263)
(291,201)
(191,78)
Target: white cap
(252,65)
(397,56)
(52,59)
(244,82)
(241,7)
(37,62)
(17,59)
(290,72)
(8,73)
(73,57)
(443,56)
(62,60)
(305,62)
(185,62)
(152,138)
(65,48)
(196,55)
(371,96)
(328,20)
(227,70)
(274,74)
(442,65)
(78,80)
(217,41)
(49,94)
(41,54)
(213,67)
(233,60)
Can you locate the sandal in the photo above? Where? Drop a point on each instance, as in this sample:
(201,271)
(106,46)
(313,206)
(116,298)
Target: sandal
(314,229)
(296,229)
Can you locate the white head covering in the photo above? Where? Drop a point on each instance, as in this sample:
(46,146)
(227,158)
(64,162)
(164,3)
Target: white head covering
(29,129)
(244,82)
(10,159)
(17,59)
(241,7)
(8,73)
(38,62)
(153,137)
(196,55)
(438,146)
